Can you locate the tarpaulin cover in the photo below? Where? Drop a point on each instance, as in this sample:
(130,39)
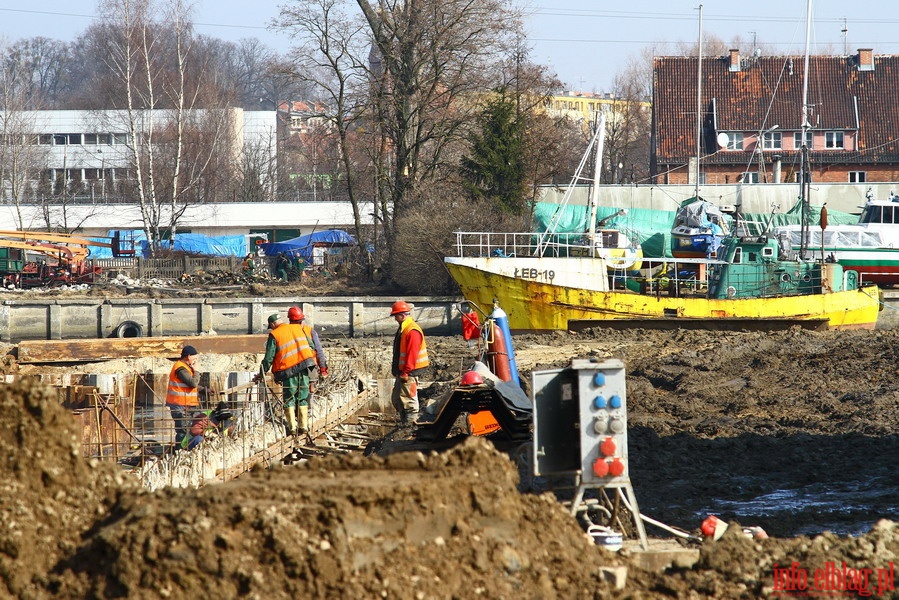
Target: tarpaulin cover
(193,243)
(302,246)
(197,243)
(652,228)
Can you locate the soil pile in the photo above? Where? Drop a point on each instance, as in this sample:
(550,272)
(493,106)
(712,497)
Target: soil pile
(795,431)
(49,495)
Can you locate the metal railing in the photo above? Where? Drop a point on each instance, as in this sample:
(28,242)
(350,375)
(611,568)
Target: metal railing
(479,244)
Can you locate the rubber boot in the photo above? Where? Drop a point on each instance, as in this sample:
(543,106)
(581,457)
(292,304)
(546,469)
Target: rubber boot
(291,420)
(304,419)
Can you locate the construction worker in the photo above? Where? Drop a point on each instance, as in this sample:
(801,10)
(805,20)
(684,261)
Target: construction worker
(249,266)
(304,390)
(182,396)
(410,359)
(282,266)
(296,317)
(289,355)
(217,421)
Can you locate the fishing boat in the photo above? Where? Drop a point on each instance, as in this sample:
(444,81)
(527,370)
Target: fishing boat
(870,247)
(749,287)
(751,284)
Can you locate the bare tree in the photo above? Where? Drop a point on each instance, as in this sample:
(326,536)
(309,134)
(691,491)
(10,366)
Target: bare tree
(628,130)
(329,59)
(21,158)
(38,68)
(151,56)
(430,57)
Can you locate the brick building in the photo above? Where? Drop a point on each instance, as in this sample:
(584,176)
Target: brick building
(751,108)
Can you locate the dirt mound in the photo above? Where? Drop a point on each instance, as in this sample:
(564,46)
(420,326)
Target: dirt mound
(49,495)
(795,431)
(410,526)
(825,566)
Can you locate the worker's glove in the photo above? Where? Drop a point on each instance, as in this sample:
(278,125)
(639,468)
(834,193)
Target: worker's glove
(323,372)
(404,377)
(258,377)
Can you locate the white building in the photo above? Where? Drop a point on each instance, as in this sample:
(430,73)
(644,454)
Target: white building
(90,152)
(91,146)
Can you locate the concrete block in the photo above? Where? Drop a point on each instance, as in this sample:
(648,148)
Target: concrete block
(617,576)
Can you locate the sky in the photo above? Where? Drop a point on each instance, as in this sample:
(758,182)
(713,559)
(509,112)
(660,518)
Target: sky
(584,42)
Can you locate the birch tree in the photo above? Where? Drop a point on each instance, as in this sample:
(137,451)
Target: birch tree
(151,55)
(21,158)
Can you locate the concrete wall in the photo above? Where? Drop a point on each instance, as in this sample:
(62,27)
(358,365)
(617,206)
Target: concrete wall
(97,318)
(332,317)
(755,198)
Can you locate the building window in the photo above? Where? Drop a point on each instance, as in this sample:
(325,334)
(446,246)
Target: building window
(45,139)
(90,139)
(797,140)
(751,177)
(104,138)
(66,139)
(772,140)
(858,177)
(120,139)
(833,139)
(734,140)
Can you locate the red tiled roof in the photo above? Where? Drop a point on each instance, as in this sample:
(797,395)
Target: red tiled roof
(768,91)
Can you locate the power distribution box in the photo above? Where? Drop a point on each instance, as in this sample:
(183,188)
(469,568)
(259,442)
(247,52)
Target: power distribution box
(580,421)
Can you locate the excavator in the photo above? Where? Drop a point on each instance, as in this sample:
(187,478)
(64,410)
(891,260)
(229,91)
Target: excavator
(62,258)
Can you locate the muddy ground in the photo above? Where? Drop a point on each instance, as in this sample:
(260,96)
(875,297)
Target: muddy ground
(793,431)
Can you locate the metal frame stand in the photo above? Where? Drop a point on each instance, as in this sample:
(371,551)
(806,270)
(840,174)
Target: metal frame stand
(630,503)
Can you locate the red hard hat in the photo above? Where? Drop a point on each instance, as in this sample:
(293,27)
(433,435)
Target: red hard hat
(399,307)
(295,314)
(471,378)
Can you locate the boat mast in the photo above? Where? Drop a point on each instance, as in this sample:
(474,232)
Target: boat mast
(600,138)
(805,126)
(698,106)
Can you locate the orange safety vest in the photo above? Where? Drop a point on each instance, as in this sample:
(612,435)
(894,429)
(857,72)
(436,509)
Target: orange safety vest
(293,347)
(307,336)
(179,392)
(422,360)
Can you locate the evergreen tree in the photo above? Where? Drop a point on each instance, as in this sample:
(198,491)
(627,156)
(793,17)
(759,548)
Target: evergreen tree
(495,168)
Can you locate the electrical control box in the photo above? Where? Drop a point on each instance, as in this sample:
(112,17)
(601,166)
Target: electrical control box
(580,421)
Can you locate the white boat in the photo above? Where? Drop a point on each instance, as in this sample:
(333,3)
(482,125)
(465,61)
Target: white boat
(870,247)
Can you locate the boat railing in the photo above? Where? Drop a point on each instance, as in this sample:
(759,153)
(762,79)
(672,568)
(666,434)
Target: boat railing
(499,244)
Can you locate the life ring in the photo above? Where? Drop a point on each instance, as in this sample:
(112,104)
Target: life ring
(624,262)
(128,329)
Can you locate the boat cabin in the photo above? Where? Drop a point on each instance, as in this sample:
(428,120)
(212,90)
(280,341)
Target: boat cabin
(755,267)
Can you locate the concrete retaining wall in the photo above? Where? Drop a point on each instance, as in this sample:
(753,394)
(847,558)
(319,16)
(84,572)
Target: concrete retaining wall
(332,317)
(123,317)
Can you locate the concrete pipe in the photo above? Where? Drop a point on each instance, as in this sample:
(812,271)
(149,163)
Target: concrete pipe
(128,329)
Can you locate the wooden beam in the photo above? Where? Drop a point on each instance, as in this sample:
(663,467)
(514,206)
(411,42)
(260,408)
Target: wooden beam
(73,351)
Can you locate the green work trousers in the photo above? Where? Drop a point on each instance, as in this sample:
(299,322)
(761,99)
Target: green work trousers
(295,390)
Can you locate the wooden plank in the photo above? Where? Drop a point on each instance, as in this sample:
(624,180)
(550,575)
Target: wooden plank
(73,351)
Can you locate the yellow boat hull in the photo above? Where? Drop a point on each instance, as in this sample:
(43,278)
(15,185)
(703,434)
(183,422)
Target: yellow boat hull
(533,304)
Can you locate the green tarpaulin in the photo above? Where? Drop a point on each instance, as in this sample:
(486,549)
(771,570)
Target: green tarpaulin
(652,228)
